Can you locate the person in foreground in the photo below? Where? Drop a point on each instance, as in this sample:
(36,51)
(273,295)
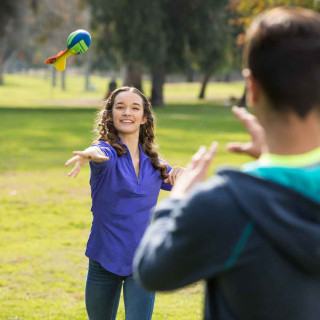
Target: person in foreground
(126,178)
(254,234)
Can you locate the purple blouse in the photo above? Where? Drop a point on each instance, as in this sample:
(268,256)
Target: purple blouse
(121,206)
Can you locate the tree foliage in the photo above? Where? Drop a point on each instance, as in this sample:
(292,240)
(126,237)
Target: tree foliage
(163,36)
(10,30)
(246,10)
(8,11)
(129,32)
(208,37)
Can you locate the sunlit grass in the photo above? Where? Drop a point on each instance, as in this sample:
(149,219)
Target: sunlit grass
(37,91)
(45,221)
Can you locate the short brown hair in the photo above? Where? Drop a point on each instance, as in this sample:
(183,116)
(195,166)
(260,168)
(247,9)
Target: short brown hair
(282,50)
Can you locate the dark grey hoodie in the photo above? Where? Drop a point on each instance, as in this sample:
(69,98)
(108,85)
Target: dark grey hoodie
(255,242)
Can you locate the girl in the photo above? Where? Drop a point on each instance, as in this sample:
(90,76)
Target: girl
(126,178)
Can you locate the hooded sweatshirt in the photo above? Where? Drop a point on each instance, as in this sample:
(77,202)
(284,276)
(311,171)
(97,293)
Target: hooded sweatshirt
(254,239)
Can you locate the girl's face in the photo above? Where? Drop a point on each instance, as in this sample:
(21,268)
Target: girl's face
(127,113)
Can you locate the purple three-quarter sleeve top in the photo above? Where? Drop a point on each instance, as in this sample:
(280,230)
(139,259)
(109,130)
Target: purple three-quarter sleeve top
(121,205)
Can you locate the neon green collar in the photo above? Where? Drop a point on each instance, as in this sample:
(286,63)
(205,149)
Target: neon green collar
(297,160)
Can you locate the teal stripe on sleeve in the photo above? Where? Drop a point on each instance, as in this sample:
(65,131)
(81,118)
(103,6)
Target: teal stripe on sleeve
(240,245)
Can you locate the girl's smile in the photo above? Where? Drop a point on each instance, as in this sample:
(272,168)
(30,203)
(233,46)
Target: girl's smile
(128,112)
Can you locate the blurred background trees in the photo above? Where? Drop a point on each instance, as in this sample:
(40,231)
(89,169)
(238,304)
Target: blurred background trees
(192,38)
(11,12)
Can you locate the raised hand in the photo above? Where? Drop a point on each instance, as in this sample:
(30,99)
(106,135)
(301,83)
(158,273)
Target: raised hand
(175,173)
(83,157)
(195,172)
(257,145)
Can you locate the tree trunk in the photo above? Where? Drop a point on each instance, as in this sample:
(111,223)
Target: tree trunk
(158,77)
(63,80)
(54,77)
(87,79)
(190,75)
(2,57)
(87,72)
(133,76)
(204,85)
(242,101)
(1,71)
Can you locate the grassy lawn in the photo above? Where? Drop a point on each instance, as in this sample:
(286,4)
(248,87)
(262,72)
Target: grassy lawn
(45,216)
(36,91)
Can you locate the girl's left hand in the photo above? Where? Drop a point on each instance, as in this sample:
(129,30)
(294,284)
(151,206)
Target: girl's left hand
(175,173)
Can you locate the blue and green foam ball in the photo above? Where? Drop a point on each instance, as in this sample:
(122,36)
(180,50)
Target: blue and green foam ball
(79,41)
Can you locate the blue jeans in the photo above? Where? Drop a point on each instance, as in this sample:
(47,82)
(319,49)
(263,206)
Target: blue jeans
(102,295)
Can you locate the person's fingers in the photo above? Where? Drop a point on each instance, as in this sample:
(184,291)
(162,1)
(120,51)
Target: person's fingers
(200,171)
(243,116)
(74,172)
(199,153)
(83,154)
(197,157)
(236,147)
(99,158)
(213,149)
(249,148)
(240,112)
(177,175)
(249,121)
(79,153)
(72,160)
(171,174)
(168,180)
(71,173)
(237,112)
(208,157)
(257,133)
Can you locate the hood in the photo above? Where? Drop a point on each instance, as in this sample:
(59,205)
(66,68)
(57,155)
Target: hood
(288,219)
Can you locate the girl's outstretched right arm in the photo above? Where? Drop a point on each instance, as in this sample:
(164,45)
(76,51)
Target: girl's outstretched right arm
(81,158)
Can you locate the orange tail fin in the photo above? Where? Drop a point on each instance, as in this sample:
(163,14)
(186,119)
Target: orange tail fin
(53,59)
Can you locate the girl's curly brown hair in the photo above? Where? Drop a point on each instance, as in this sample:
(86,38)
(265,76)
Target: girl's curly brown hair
(108,133)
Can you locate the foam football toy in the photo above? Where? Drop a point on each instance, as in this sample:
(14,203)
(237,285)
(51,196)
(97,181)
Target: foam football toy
(78,42)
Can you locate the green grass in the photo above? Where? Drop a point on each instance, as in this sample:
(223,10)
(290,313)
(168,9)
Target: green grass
(36,91)
(45,216)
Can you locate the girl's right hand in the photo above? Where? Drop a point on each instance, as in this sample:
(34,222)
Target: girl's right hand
(83,157)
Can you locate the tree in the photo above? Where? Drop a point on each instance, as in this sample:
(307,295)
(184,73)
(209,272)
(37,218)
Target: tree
(9,13)
(51,27)
(244,11)
(197,37)
(162,36)
(209,38)
(130,31)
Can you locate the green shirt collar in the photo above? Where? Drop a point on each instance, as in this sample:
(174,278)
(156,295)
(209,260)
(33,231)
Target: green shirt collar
(297,160)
